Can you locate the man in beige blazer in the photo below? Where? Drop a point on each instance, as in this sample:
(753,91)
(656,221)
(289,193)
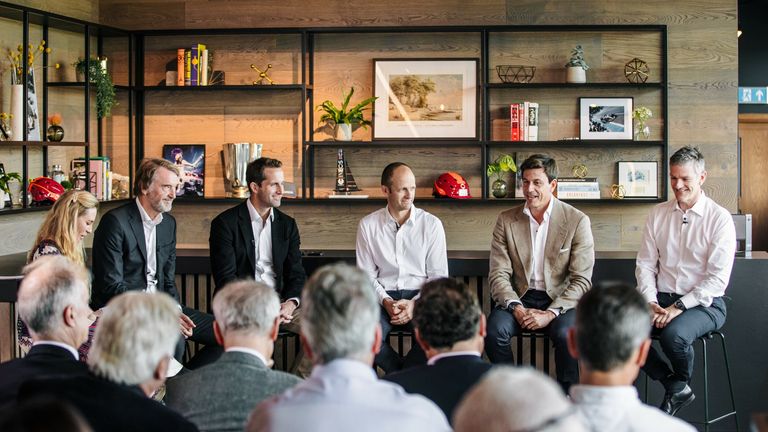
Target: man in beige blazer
(542,254)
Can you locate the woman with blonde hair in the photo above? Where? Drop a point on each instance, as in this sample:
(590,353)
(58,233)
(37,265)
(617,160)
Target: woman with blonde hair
(65,226)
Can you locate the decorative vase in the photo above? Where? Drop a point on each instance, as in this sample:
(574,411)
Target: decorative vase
(17,101)
(576,75)
(343,132)
(642,132)
(55,133)
(2,198)
(14,187)
(499,188)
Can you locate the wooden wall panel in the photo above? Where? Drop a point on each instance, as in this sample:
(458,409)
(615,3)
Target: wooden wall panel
(86,10)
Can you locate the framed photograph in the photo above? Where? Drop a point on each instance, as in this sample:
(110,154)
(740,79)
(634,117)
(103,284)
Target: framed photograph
(608,118)
(190,159)
(640,179)
(425,98)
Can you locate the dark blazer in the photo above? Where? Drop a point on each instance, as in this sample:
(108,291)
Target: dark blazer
(444,382)
(233,386)
(120,255)
(233,253)
(108,406)
(41,361)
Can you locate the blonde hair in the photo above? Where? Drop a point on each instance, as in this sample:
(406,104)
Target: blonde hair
(60,225)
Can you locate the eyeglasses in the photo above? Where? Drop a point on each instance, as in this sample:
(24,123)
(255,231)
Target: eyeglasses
(549,422)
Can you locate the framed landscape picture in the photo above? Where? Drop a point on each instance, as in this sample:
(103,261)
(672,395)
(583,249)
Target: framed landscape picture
(608,118)
(425,98)
(190,159)
(639,179)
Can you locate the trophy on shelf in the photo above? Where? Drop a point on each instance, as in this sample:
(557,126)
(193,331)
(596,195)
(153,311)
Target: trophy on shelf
(237,156)
(345,181)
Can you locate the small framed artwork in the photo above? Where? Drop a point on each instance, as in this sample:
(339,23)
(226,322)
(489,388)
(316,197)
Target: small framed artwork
(425,98)
(190,159)
(639,179)
(608,118)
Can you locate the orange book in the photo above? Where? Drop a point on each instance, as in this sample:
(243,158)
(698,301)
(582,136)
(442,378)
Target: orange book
(180,67)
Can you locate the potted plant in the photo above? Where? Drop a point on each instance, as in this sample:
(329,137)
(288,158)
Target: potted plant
(503,164)
(576,68)
(105,90)
(641,114)
(342,119)
(8,182)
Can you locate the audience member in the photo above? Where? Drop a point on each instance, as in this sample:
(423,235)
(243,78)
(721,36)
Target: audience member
(400,247)
(509,399)
(341,335)
(53,301)
(449,327)
(611,341)
(683,267)
(61,233)
(541,262)
(129,360)
(219,396)
(43,415)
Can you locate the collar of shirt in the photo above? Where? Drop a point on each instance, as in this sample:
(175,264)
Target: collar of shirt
(547,212)
(613,395)
(410,221)
(434,359)
(250,351)
(255,215)
(697,208)
(346,367)
(60,345)
(145,217)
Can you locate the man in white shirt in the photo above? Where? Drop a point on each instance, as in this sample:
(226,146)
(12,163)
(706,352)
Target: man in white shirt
(542,254)
(246,326)
(611,341)
(400,247)
(341,335)
(683,267)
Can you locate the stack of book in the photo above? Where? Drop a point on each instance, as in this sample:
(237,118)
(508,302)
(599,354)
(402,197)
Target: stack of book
(192,66)
(578,188)
(524,121)
(100,175)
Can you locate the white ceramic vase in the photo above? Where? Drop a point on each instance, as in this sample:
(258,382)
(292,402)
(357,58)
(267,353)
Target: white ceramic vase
(576,75)
(343,132)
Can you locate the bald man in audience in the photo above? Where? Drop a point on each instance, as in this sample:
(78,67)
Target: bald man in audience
(53,303)
(134,343)
(219,396)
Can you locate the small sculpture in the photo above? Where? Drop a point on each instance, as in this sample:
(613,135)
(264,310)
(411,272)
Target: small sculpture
(617,191)
(637,71)
(580,171)
(263,74)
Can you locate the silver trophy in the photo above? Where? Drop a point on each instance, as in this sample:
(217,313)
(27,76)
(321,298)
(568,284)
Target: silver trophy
(237,156)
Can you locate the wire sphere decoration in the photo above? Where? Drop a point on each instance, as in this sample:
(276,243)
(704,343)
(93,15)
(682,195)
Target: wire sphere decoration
(580,171)
(637,71)
(510,74)
(618,191)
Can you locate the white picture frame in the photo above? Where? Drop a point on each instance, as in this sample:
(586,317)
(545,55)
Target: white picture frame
(607,118)
(639,179)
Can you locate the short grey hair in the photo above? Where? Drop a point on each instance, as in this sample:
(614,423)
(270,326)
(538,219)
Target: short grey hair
(50,284)
(137,330)
(246,306)
(341,313)
(510,398)
(689,154)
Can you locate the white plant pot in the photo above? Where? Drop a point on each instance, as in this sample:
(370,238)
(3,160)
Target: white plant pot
(343,132)
(576,75)
(2,198)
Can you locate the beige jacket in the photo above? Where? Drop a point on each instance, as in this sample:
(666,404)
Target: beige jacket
(568,259)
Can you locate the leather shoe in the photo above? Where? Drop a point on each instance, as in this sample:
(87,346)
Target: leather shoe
(674,401)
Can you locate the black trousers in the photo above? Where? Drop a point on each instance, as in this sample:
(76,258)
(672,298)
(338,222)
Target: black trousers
(502,326)
(676,340)
(388,359)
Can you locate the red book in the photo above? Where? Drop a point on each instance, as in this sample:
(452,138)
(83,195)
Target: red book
(514,119)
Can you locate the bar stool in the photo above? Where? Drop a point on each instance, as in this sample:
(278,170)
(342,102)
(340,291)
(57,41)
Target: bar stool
(283,338)
(533,337)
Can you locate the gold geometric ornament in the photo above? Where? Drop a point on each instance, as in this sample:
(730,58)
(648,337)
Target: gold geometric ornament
(637,71)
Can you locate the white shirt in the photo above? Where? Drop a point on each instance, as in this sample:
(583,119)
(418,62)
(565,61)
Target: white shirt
(401,258)
(71,350)
(150,239)
(262,242)
(692,259)
(345,395)
(618,409)
(538,242)
(250,351)
(437,357)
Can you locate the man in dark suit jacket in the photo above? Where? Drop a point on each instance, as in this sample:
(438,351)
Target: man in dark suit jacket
(271,254)
(57,331)
(246,325)
(134,340)
(134,247)
(449,327)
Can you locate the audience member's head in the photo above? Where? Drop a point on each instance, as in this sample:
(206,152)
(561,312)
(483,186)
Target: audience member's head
(447,316)
(245,311)
(514,399)
(53,300)
(611,333)
(135,339)
(67,223)
(341,315)
(43,415)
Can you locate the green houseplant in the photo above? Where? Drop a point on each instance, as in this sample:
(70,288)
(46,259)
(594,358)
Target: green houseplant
(504,163)
(105,90)
(341,118)
(576,67)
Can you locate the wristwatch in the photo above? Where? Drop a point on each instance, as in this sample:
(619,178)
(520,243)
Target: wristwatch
(680,305)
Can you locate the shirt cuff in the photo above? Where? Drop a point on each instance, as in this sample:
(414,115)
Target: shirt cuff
(557,311)
(295,300)
(689,300)
(510,302)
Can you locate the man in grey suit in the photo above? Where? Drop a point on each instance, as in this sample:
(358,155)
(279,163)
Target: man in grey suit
(542,254)
(219,396)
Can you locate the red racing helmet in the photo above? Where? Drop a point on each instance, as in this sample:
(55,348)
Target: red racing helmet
(451,185)
(45,189)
